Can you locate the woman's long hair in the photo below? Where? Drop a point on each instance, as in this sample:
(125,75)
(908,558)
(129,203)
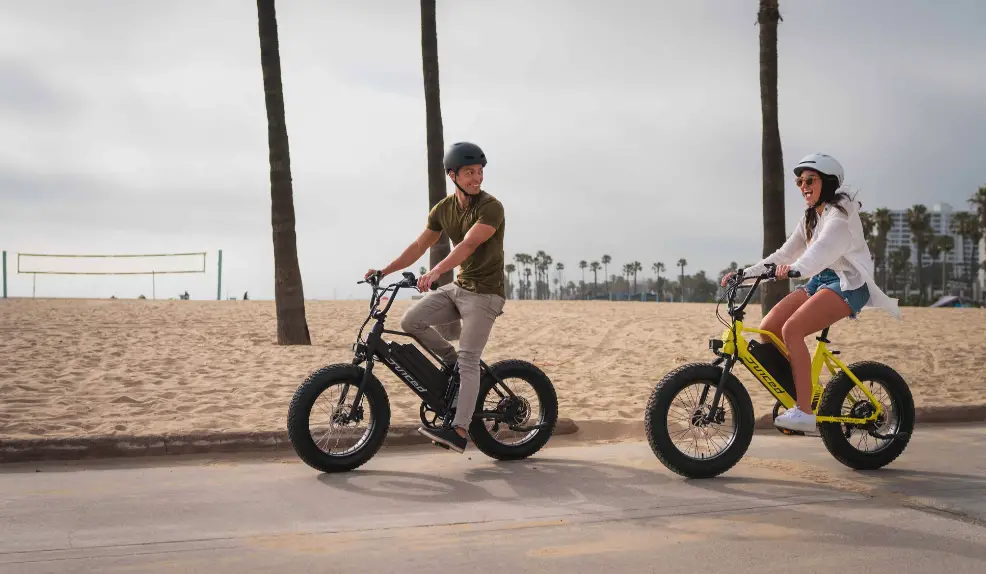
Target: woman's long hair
(831,195)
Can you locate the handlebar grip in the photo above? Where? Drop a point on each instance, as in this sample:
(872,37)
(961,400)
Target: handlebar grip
(794,274)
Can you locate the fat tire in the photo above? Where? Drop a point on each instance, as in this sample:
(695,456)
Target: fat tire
(655,421)
(299,413)
(541,384)
(831,405)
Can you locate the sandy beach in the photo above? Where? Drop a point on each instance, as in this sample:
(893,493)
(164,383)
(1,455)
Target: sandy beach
(72,368)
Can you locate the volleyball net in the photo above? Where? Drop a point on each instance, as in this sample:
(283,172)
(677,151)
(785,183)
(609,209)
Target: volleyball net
(155,265)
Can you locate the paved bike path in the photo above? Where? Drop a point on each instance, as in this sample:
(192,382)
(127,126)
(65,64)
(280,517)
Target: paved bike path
(572,509)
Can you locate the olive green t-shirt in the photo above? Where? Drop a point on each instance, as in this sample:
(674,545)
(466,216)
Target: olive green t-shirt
(482,271)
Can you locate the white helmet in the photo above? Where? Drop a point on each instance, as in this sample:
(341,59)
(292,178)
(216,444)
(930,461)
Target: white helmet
(823,164)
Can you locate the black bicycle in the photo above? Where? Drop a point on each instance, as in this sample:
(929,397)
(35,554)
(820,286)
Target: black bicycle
(507,424)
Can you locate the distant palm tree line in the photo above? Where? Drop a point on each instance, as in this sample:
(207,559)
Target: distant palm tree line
(539,277)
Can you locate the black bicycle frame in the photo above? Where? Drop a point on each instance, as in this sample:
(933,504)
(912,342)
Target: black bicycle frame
(376,349)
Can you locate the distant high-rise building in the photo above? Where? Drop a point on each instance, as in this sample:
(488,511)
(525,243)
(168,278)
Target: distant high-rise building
(964,258)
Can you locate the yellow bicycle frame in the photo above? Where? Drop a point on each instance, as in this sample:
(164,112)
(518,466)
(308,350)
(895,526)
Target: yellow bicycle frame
(823,357)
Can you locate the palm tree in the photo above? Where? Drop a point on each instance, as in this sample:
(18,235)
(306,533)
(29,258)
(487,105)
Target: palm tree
(571,289)
(510,268)
(627,271)
(582,265)
(524,260)
(934,250)
(898,262)
(868,221)
(635,267)
(884,223)
(866,218)
(966,226)
(682,263)
(434,130)
(595,267)
(559,267)
(946,243)
(606,261)
(658,269)
(289,294)
(979,202)
(919,222)
(543,268)
(774,232)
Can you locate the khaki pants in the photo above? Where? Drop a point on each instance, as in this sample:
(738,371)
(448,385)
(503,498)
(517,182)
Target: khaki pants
(478,312)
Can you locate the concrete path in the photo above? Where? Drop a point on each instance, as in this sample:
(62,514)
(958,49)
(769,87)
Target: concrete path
(788,507)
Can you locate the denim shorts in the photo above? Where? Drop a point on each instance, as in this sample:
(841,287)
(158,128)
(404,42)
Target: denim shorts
(827,279)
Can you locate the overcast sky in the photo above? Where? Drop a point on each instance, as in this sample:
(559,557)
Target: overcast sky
(630,128)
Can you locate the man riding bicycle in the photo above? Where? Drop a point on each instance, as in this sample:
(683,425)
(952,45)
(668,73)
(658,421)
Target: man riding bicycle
(474,221)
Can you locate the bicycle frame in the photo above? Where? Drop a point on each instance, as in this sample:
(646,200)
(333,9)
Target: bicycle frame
(376,349)
(733,346)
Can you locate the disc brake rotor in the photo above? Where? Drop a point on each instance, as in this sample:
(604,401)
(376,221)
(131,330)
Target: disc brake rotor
(516,410)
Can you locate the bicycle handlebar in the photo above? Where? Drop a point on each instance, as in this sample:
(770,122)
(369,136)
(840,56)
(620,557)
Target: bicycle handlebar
(735,283)
(766,276)
(409,281)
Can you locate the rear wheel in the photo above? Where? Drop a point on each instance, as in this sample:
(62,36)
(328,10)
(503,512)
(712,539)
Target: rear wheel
(533,402)
(319,427)
(876,444)
(676,427)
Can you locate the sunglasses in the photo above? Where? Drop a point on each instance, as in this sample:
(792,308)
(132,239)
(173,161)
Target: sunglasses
(807,180)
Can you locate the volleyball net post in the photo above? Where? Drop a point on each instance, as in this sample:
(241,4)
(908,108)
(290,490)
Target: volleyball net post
(115,264)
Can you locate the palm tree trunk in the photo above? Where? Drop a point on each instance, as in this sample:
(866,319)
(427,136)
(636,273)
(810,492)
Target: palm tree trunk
(920,279)
(433,124)
(774,232)
(289,296)
(435,144)
(944,277)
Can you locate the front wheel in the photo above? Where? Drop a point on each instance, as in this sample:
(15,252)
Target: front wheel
(695,447)
(320,427)
(877,444)
(531,409)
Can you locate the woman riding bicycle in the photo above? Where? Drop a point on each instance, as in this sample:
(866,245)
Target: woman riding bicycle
(829,246)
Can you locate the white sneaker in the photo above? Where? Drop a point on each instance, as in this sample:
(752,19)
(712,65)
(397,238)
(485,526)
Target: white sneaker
(796,419)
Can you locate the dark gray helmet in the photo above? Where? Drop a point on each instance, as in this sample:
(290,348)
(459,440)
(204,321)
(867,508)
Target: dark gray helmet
(461,154)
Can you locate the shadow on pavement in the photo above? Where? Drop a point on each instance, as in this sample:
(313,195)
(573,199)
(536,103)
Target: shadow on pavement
(543,478)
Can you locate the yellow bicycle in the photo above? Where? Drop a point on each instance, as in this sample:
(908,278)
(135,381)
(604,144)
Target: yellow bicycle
(865,400)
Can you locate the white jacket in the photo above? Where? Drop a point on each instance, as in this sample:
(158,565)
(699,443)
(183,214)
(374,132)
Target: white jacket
(838,244)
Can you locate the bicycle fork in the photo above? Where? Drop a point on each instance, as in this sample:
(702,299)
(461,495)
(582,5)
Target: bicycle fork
(714,407)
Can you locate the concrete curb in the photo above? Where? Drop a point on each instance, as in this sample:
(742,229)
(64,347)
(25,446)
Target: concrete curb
(30,450)
(116,446)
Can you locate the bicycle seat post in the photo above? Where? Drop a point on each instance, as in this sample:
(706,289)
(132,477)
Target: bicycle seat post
(824,336)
